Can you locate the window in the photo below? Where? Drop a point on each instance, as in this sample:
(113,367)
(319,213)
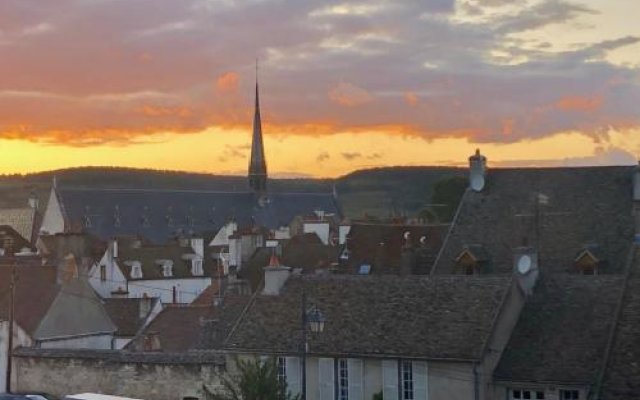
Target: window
(136,270)
(282,370)
(569,395)
(103,273)
(167,270)
(526,394)
(407,380)
(196,270)
(343,379)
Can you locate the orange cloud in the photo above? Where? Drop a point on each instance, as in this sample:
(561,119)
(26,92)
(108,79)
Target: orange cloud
(411,99)
(228,82)
(161,111)
(347,94)
(579,103)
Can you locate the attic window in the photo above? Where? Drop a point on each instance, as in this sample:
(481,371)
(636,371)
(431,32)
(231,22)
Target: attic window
(167,270)
(467,263)
(588,261)
(144,218)
(196,267)
(116,216)
(136,270)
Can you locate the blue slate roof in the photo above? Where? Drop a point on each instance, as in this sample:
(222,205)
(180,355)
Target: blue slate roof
(159,215)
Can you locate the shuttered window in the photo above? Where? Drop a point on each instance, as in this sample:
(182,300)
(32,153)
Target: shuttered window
(326,389)
(390,379)
(356,377)
(293,374)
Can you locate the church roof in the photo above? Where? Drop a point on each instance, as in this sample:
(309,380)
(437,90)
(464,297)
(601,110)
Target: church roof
(159,215)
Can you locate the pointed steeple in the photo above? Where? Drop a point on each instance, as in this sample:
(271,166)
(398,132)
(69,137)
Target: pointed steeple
(258,163)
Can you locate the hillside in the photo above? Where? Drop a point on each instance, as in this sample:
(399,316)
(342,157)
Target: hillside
(379,192)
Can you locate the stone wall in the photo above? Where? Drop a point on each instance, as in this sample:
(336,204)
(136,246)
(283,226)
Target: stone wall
(157,376)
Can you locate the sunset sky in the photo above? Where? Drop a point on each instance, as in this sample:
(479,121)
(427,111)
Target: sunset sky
(169,84)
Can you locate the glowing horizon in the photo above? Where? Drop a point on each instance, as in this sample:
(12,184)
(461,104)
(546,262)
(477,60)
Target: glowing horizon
(343,87)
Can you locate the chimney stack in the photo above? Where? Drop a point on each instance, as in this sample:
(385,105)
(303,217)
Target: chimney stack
(477,171)
(636,201)
(145,306)
(275,276)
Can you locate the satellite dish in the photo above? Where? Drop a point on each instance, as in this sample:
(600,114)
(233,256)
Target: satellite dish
(406,235)
(524,264)
(423,239)
(477,183)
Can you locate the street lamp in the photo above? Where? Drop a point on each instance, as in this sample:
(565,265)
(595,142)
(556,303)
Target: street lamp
(312,319)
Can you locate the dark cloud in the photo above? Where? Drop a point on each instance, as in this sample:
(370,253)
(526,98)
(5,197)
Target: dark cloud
(350,156)
(86,73)
(323,156)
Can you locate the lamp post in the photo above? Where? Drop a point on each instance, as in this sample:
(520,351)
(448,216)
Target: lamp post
(314,320)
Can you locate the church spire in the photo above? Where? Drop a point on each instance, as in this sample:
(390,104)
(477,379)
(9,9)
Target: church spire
(257,164)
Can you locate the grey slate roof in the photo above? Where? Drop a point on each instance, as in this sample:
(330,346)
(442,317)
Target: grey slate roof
(380,245)
(125,314)
(622,376)
(422,317)
(151,270)
(562,333)
(159,215)
(586,206)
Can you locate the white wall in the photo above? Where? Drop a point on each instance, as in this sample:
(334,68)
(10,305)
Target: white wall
(99,342)
(366,378)
(20,338)
(187,289)
(52,221)
(319,228)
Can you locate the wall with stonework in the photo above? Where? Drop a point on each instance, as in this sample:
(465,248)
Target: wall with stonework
(156,378)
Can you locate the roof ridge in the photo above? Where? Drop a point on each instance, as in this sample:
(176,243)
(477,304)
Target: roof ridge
(452,224)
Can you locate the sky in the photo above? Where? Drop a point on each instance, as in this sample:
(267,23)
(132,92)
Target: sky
(168,84)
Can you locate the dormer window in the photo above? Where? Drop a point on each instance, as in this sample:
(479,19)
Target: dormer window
(588,260)
(196,267)
(167,270)
(471,260)
(136,269)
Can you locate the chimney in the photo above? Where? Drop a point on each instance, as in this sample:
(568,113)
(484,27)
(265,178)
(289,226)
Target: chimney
(151,342)
(636,200)
(197,244)
(33,201)
(477,171)
(145,306)
(407,256)
(114,248)
(275,276)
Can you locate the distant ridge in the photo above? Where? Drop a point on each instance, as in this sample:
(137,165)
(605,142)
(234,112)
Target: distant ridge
(380,192)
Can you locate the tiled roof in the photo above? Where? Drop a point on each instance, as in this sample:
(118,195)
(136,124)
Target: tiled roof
(380,245)
(183,328)
(36,289)
(149,257)
(562,333)
(125,314)
(12,241)
(426,317)
(22,220)
(584,206)
(622,376)
(178,327)
(159,215)
(303,251)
